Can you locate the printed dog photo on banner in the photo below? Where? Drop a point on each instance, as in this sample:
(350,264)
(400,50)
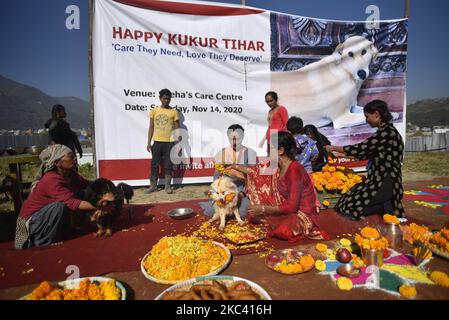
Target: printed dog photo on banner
(326,71)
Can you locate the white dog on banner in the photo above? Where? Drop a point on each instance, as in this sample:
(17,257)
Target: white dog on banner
(325,91)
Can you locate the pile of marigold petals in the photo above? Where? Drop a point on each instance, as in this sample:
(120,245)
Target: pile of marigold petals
(179,258)
(87,290)
(335,179)
(415,233)
(440,239)
(208,231)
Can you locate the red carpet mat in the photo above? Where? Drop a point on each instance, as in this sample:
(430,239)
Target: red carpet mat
(130,242)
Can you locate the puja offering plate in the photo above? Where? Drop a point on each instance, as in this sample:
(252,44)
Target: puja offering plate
(437,251)
(74,284)
(180,213)
(289,261)
(218,287)
(163,281)
(245,237)
(348,270)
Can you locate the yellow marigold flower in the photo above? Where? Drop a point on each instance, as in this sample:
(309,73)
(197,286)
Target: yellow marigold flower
(345,242)
(357,262)
(320,265)
(440,278)
(388,218)
(407,291)
(344,284)
(326,203)
(321,247)
(369,232)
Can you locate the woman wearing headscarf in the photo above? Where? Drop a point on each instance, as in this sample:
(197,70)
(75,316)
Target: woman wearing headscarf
(44,216)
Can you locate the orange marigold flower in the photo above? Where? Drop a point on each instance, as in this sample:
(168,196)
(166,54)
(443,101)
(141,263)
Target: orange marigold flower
(388,218)
(307,261)
(407,291)
(440,278)
(369,232)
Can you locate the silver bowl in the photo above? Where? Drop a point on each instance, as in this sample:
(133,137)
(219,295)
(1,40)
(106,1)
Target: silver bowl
(348,270)
(180,213)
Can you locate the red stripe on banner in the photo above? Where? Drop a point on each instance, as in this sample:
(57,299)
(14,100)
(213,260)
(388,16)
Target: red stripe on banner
(190,8)
(347,163)
(138,169)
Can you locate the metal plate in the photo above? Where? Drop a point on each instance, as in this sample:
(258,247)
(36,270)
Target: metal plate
(180,213)
(215,272)
(348,270)
(290,255)
(186,285)
(72,284)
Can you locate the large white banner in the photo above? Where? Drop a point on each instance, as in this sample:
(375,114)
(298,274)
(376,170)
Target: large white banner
(219,61)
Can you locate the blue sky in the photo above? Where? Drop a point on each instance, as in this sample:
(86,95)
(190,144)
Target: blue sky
(38,50)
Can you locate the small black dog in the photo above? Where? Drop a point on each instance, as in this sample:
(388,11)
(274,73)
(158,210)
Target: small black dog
(109,200)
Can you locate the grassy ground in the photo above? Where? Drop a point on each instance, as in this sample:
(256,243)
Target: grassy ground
(429,163)
(417,167)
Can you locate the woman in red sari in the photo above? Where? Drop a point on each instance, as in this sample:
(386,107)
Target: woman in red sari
(284,195)
(277,118)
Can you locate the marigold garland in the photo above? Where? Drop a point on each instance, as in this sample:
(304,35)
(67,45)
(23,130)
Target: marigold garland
(407,291)
(379,244)
(370,233)
(369,238)
(221,168)
(440,278)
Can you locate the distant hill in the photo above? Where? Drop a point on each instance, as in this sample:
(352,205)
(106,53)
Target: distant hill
(23,107)
(429,112)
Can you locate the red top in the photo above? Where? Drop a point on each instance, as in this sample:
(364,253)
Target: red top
(278,121)
(53,187)
(297,189)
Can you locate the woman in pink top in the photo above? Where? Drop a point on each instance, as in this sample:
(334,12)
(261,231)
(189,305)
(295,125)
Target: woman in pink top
(277,118)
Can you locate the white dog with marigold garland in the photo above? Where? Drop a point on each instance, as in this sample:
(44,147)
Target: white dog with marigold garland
(225,194)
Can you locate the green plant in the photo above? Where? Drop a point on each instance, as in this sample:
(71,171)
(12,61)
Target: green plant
(87,171)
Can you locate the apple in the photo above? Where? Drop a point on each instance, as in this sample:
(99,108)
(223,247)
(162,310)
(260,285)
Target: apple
(343,255)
